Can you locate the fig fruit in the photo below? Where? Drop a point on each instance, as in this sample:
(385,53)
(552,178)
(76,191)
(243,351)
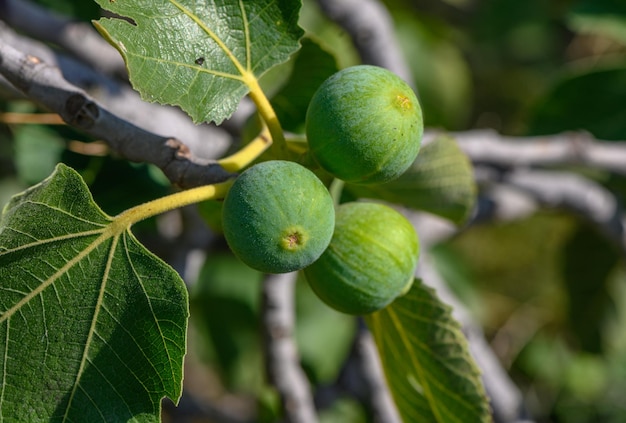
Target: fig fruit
(364,125)
(370,260)
(278,217)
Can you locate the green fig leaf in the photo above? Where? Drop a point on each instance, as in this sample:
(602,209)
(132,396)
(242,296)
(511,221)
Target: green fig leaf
(440,181)
(203,56)
(92,325)
(426,360)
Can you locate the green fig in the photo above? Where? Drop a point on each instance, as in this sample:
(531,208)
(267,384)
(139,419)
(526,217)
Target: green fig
(370,260)
(364,125)
(278,217)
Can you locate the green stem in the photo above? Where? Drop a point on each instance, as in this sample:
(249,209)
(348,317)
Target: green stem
(248,154)
(180,199)
(235,162)
(335,189)
(268,115)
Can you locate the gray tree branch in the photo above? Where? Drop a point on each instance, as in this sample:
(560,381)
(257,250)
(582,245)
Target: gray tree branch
(576,194)
(204,141)
(572,148)
(77,38)
(372,31)
(45,85)
(281,354)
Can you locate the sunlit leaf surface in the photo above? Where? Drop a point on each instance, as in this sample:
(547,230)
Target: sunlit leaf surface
(201,55)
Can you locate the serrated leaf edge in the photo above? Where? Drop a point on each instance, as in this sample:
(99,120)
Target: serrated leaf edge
(375,319)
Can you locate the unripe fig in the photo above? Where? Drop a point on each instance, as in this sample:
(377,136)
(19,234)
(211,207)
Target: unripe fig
(370,260)
(364,125)
(278,217)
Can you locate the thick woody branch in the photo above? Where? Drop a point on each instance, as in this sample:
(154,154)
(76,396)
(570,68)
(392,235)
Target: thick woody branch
(78,38)
(362,377)
(203,140)
(45,85)
(281,353)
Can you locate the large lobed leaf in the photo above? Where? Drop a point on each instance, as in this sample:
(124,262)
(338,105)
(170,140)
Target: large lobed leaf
(426,360)
(199,54)
(440,181)
(92,325)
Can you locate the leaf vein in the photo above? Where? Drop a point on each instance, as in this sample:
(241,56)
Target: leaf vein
(426,375)
(130,413)
(94,322)
(95,405)
(49,240)
(211,34)
(38,290)
(156,320)
(246,31)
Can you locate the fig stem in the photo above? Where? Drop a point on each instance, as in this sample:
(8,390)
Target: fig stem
(297,144)
(268,114)
(249,153)
(180,199)
(335,189)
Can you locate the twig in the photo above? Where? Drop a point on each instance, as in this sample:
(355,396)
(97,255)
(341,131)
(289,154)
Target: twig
(377,397)
(45,85)
(372,31)
(572,148)
(281,355)
(576,194)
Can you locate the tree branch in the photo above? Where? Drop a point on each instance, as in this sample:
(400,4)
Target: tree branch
(78,38)
(45,85)
(572,148)
(372,31)
(362,377)
(281,355)
(576,194)
(205,141)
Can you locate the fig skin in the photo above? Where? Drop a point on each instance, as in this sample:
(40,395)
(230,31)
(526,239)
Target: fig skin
(370,260)
(278,217)
(364,125)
